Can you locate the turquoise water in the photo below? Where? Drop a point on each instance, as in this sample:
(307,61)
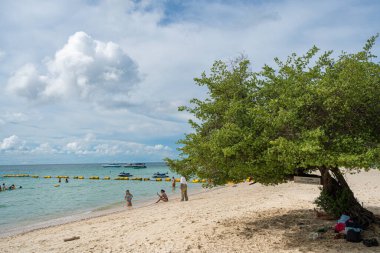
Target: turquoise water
(39,200)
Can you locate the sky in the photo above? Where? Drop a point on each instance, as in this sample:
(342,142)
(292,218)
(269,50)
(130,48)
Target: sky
(91,81)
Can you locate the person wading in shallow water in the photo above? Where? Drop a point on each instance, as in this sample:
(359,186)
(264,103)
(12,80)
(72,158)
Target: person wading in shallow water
(128,197)
(184,189)
(173,182)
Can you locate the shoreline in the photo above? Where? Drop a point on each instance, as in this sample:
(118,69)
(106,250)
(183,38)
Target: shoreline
(244,218)
(92,213)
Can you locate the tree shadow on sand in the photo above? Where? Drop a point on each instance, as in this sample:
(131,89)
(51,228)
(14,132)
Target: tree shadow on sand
(294,230)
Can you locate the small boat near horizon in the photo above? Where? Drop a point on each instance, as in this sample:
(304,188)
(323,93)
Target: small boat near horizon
(135,165)
(160,175)
(125,174)
(111,165)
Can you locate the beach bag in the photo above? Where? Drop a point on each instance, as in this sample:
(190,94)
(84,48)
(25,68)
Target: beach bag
(352,224)
(353,236)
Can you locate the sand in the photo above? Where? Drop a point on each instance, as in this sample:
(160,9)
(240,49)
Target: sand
(241,218)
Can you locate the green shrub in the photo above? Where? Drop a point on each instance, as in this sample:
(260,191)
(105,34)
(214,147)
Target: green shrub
(334,205)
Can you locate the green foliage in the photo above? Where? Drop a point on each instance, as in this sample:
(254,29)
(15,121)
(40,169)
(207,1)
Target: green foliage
(334,206)
(305,113)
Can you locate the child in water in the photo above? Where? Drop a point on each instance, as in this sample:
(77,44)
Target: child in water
(128,197)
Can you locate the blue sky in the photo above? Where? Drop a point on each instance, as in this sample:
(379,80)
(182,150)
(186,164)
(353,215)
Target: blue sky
(100,81)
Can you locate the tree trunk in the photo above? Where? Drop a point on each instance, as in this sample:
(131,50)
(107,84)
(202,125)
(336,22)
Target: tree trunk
(334,184)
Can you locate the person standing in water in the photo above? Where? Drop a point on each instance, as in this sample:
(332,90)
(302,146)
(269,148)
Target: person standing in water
(184,189)
(173,182)
(128,197)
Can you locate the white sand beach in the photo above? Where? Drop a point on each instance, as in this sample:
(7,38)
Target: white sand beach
(241,218)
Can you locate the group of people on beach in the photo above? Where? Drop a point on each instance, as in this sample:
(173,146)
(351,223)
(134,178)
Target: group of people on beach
(163,197)
(11,187)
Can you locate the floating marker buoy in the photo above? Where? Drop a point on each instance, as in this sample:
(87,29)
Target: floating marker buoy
(122,178)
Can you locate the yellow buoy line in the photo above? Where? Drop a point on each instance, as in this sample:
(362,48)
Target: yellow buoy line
(108,178)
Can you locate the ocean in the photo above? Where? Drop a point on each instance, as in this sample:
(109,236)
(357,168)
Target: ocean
(40,201)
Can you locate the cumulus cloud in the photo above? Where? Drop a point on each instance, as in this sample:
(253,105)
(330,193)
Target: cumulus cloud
(11,142)
(44,148)
(85,69)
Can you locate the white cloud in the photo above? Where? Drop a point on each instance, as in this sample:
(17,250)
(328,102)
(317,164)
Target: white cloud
(84,69)
(107,149)
(9,143)
(90,145)
(157,147)
(44,148)
(26,82)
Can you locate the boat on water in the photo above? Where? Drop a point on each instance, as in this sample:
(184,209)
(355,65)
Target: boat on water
(135,165)
(160,175)
(125,174)
(111,165)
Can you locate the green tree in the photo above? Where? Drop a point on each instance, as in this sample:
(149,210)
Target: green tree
(308,114)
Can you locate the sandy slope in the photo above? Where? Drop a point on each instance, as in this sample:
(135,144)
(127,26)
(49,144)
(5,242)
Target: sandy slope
(244,218)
